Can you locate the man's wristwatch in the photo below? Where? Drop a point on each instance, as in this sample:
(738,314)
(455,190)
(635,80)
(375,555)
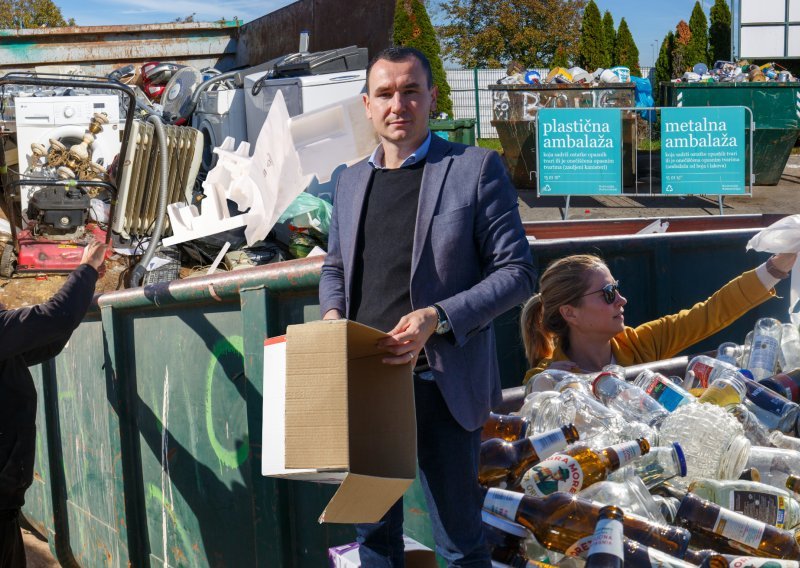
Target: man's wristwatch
(443,325)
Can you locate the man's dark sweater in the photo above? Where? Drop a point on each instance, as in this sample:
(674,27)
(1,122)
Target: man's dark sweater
(29,336)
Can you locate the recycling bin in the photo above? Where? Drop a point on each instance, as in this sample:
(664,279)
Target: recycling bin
(461,130)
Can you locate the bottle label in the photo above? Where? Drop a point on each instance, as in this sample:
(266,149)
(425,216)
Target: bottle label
(754,562)
(502,503)
(607,538)
(766,399)
(580,548)
(560,472)
(702,373)
(761,506)
(790,387)
(627,452)
(667,396)
(739,528)
(763,352)
(549,443)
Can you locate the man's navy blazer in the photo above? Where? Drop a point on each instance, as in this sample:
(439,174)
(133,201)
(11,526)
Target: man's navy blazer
(470,256)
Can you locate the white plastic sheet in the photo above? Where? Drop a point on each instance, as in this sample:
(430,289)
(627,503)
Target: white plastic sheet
(783,236)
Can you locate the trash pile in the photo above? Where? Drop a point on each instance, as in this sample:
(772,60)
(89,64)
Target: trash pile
(517,75)
(705,468)
(742,71)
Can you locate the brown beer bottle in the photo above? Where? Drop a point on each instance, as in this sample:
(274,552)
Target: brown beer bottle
(793,483)
(580,467)
(729,532)
(504,426)
(503,463)
(560,520)
(606,550)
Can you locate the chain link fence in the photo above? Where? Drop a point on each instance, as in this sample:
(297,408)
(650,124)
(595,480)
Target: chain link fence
(472,99)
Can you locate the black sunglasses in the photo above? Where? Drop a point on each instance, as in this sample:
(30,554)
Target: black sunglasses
(609,291)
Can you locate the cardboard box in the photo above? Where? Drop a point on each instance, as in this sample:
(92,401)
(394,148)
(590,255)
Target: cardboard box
(417,555)
(334,413)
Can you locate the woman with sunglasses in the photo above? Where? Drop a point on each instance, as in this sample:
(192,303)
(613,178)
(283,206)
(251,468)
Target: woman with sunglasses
(576,322)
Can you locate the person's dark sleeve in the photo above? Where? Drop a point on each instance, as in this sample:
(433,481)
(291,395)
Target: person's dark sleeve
(40,332)
(331,280)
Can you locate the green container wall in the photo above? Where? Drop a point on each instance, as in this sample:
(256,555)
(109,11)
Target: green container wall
(776,113)
(150,420)
(461,130)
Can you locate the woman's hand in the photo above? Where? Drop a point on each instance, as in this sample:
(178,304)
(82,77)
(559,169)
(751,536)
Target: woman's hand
(784,261)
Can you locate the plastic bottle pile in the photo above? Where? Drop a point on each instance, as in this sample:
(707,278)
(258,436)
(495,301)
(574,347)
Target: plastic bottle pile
(517,75)
(709,461)
(730,72)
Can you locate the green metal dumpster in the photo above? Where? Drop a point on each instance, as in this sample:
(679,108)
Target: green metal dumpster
(515,110)
(461,130)
(776,114)
(150,420)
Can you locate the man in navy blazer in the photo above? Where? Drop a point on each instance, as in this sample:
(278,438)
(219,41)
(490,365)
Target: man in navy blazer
(426,243)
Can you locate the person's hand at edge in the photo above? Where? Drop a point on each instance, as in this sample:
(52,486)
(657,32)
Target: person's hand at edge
(333,314)
(409,336)
(784,261)
(94,254)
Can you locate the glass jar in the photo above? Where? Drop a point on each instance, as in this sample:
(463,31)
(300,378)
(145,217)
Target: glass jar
(726,390)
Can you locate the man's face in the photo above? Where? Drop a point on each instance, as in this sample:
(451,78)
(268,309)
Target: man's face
(399,100)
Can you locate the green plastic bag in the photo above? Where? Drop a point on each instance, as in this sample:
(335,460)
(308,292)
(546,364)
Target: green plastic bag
(309,211)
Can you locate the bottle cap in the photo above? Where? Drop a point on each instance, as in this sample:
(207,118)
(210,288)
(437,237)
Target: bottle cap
(596,384)
(681,458)
(750,474)
(504,524)
(747,373)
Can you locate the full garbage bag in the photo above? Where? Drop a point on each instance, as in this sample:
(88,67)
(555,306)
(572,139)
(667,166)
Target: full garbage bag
(644,97)
(782,236)
(308,211)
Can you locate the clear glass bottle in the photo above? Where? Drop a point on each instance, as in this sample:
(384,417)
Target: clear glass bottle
(501,463)
(545,380)
(706,369)
(730,353)
(628,399)
(661,464)
(725,390)
(776,412)
(793,484)
(726,531)
(607,550)
(764,349)
(754,430)
(748,343)
(781,440)
(758,501)
(667,393)
(560,520)
(629,493)
(789,353)
(774,464)
(579,467)
(712,440)
(505,426)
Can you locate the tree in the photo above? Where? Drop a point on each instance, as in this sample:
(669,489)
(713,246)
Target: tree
(719,37)
(626,52)
(697,49)
(488,33)
(663,72)
(560,58)
(683,36)
(611,39)
(592,46)
(31,14)
(413,28)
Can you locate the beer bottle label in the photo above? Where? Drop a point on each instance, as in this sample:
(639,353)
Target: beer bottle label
(502,503)
(754,562)
(548,443)
(560,472)
(607,538)
(761,506)
(739,528)
(579,548)
(627,452)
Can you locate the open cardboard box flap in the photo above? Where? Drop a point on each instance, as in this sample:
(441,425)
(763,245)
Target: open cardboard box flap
(333,410)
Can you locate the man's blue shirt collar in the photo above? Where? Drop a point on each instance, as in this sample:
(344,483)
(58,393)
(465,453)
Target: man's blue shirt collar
(376,159)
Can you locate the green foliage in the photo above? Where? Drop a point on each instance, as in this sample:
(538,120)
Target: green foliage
(611,39)
(489,33)
(592,46)
(31,14)
(626,53)
(697,49)
(413,28)
(683,36)
(664,71)
(719,37)
(560,58)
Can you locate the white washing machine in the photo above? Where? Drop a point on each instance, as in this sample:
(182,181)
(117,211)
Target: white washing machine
(219,114)
(38,119)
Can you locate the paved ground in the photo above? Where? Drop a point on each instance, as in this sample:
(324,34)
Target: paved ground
(37,551)
(782,198)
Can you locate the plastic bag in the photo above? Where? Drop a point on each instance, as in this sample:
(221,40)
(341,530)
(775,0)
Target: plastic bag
(309,211)
(644,97)
(782,236)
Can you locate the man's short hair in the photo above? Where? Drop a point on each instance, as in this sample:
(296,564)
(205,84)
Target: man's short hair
(397,54)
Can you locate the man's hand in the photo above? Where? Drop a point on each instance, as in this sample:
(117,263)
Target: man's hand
(332,315)
(409,336)
(94,255)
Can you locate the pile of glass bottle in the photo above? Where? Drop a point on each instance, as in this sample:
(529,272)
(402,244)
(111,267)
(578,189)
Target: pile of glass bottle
(705,467)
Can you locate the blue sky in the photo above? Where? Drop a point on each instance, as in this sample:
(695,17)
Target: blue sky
(648,20)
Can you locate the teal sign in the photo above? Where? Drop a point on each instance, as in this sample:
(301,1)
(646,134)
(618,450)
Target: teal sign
(579,151)
(702,151)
